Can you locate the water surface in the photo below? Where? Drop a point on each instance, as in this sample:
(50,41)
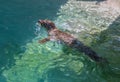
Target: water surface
(23,59)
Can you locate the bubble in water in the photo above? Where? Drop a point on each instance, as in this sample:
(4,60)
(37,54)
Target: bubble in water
(37,29)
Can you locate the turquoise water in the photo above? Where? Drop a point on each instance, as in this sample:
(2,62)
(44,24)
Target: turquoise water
(23,59)
(17,24)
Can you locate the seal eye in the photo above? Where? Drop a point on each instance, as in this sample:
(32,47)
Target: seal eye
(46,25)
(42,24)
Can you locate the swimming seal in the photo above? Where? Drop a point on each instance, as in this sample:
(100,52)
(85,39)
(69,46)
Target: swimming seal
(55,34)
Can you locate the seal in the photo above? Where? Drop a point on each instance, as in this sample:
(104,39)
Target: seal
(55,34)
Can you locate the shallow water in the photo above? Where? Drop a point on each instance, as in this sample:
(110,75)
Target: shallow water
(17,23)
(23,59)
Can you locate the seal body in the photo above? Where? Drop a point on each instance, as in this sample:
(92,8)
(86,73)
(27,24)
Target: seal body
(68,39)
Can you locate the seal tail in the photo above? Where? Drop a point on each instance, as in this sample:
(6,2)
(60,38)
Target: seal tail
(87,50)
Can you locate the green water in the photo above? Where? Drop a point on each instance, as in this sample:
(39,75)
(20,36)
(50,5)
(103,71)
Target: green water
(23,59)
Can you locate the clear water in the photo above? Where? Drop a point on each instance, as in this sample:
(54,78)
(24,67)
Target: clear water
(17,23)
(23,59)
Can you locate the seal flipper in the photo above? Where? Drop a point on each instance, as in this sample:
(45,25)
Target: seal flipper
(44,40)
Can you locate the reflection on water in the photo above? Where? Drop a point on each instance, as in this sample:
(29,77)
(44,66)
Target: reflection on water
(53,62)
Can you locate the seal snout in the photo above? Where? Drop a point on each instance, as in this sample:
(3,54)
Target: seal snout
(46,23)
(40,21)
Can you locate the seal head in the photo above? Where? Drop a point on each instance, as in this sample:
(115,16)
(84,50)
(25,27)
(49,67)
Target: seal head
(47,24)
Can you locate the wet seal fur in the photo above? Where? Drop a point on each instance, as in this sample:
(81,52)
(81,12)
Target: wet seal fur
(56,34)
